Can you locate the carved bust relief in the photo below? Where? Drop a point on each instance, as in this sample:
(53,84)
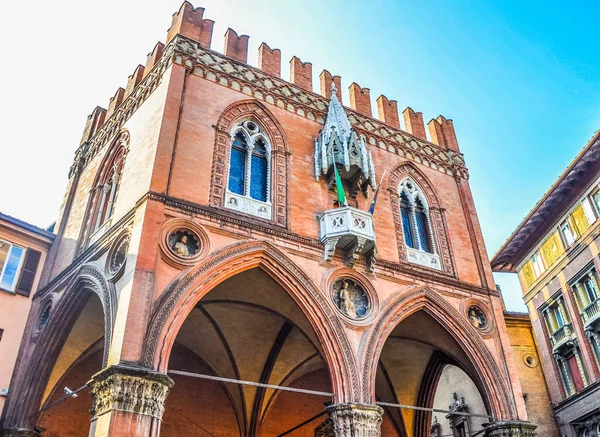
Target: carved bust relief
(477,317)
(184,243)
(351,299)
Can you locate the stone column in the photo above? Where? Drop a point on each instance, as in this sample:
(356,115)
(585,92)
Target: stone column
(356,420)
(509,429)
(128,401)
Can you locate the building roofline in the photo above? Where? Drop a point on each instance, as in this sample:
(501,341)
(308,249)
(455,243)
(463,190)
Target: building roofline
(575,179)
(27,226)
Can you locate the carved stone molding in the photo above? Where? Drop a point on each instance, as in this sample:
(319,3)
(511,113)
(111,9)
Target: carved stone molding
(509,429)
(356,420)
(19,432)
(130,389)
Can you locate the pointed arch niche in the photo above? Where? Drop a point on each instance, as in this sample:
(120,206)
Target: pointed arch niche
(233,122)
(416,207)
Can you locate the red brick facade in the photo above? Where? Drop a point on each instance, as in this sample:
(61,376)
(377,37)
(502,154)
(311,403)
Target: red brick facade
(144,308)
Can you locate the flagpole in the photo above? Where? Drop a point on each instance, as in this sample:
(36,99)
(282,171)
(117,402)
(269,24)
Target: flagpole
(372,207)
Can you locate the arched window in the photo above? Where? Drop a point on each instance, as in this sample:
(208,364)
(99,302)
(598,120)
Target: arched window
(416,224)
(105,190)
(406,220)
(248,187)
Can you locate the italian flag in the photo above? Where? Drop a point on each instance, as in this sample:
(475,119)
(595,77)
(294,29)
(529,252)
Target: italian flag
(339,187)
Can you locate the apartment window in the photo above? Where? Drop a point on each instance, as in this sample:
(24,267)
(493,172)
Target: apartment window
(567,234)
(538,264)
(596,200)
(11,258)
(588,210)
(589,285)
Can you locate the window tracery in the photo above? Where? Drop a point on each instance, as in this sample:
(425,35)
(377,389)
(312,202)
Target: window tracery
(416,223)
(419,220)
(105,191)
(248,187)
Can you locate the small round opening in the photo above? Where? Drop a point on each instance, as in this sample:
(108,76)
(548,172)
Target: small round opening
(44,316)
(530,360)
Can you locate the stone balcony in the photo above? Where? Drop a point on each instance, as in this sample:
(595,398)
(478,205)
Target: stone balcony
(350,230)
(591,314)
(563,336)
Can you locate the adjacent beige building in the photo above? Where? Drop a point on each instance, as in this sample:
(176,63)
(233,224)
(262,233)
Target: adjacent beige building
(23,250)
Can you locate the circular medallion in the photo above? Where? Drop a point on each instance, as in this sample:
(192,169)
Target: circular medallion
(117,255)
(477,317)
(184,243)
(351,299)
(44,317)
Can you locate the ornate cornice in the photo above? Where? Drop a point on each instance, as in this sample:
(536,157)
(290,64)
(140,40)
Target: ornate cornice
(356,420)
(130,389)
(256,225)
(254,82)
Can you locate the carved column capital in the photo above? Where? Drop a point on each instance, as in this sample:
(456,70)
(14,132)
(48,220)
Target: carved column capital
(131,389)
(509,429)
(356,420)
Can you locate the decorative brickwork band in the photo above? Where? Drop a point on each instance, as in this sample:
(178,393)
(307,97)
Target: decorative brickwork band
(131,389)
(356,420)
(509,429)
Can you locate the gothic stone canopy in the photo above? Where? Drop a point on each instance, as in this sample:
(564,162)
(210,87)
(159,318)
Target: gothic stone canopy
(339,143)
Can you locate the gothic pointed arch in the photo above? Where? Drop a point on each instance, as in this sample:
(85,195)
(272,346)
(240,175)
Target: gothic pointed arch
(182,295)
(492,382)
(46,344)
(277,157)
(105,189)
(438,231)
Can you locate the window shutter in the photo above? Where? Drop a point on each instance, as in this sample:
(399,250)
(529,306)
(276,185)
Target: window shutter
(32,259)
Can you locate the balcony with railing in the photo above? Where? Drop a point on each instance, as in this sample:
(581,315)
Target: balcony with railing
(562,336)
(350,230)
(591,314)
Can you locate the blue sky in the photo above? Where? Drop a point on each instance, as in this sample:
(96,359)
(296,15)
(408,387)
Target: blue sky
(519,79)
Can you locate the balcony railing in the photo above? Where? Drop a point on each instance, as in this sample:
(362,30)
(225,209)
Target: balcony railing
(591,313)
(351,230)
(561,336)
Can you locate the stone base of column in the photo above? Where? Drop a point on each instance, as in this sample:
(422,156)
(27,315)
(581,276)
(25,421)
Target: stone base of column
(509,429)
(127,398)
(356,420)
(18,432)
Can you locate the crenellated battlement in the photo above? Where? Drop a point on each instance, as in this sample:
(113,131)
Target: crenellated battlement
(189,22)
